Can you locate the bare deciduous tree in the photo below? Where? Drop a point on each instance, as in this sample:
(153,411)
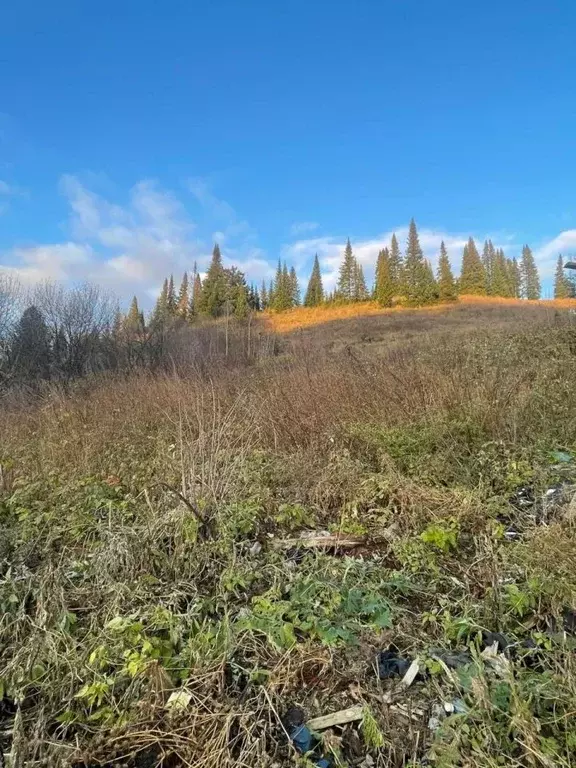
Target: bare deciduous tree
(78,319)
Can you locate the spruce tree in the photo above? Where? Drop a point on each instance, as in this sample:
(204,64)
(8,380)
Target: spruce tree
(529,279)
(396,267)
(430,289)
(196,297)
(501,277)
(30,348)
(183,302)
(473,274)
(360,290)
(488,261)
(347,278)
(171,297)
(214,289)
(133,325)
(283,289)
(384,289)
(315,291)
(446,284)
(241,306)
(416,279)
(294,288)
(264,295)
(160,313)
(514,279)
(562,285)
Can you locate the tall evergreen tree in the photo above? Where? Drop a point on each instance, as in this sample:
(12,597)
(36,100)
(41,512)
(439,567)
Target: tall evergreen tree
(360,290)
(160,314)
(133,324)
(396,267)
(472,274)
(529,279)
(283,289)
(264,295)
(241,305)
(416,278)
(183,301)
(488,261)
(347,278)
(315,291)
(214,290)
(502,280)
(514,279)
(196,297)
(562,285)
(384,287)
(446,284)
(30,347)
(294,288)
(430,288)
(171,297)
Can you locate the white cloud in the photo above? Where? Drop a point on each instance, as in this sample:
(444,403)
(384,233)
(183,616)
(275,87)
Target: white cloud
(302,227)
(62,261)
(547,254)
(231,227)
(131,248)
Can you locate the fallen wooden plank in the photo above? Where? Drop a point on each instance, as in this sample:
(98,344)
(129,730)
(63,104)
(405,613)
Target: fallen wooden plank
(337,718)
(321,541)
(411,674)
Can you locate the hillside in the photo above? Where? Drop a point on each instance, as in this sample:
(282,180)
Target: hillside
(194,564)
(304,317)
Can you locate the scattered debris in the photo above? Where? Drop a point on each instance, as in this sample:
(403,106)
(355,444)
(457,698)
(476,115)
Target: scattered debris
(178,700)
(321,540)
(255,549)
(301,735)
(569,620)
(341,717)
(452,659)
(561,457)
(411,674)
(502,642)
(390,664)
(437,714)
(498,661)
(412,713)
(523,497)
(455,707)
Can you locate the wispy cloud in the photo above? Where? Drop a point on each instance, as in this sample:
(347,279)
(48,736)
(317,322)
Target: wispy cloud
(303,227)
(8,191)
(130,248)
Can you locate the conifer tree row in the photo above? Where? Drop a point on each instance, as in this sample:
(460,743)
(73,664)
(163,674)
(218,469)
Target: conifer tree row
(398,278)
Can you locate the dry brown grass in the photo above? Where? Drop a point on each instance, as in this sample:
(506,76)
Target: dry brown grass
(385,424)
(303,317)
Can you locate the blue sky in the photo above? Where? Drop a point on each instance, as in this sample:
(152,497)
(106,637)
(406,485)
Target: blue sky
(133,134)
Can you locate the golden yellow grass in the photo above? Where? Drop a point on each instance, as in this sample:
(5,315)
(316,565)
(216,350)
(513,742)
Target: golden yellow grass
(303,317)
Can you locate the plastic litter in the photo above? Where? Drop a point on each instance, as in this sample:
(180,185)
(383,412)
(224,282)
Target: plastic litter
(561,457)
(452,659)
(391,664)
(502,642)
(302,737)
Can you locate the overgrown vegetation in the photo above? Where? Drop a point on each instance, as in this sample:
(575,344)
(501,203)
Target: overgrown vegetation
(152,615)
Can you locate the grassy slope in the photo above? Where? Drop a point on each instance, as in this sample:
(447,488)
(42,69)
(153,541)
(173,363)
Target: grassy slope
(304,317)
(409,429)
